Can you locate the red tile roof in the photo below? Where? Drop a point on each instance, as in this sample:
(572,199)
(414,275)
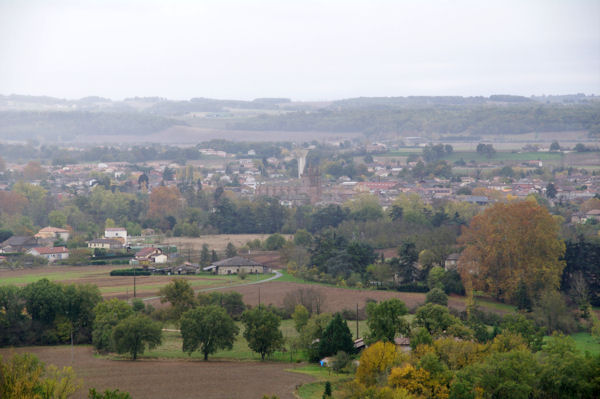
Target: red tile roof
(50,250)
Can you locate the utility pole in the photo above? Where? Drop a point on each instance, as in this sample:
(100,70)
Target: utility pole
(357,336)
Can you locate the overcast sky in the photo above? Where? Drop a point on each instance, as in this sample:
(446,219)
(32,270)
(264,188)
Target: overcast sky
(305,50)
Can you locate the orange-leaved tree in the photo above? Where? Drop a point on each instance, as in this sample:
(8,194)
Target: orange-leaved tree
(164,201)
(510,243)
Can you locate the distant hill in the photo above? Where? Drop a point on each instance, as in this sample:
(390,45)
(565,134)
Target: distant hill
(23,117)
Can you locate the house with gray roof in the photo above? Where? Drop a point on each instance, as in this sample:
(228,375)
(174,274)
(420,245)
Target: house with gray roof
(236,265)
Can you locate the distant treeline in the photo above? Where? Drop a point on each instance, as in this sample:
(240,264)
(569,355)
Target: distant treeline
(137,153)
(485,119)
(68,124)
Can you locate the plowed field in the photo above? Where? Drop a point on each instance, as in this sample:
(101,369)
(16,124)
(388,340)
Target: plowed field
(177,379)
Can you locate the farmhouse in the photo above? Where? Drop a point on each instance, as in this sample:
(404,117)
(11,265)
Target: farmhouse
(235,265)
(54,233)
(105,243)
(52,254)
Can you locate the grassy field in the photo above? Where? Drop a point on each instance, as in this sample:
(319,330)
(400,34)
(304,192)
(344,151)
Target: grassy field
(172,344)
(121,286)
(586,343)
(32,278)
(314,390)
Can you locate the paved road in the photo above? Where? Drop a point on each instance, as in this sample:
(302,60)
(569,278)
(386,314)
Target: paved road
(276,276)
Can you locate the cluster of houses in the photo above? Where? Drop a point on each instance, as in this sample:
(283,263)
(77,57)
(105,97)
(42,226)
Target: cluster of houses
(42,244)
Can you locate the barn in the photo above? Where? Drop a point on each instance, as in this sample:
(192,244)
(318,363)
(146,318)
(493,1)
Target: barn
(236,265)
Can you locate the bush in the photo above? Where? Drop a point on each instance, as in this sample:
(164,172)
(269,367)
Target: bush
(129,272)
(412,287)
(437,295)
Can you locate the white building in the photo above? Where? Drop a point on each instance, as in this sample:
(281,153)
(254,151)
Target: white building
(116,232)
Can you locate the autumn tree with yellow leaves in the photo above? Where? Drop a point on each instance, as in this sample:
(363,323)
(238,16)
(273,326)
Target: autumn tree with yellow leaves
(509,244)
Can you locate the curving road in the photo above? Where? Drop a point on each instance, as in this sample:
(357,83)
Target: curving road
(276,276)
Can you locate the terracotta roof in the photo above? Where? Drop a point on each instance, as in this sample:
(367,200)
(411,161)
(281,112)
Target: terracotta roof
(51,229)
(50,250)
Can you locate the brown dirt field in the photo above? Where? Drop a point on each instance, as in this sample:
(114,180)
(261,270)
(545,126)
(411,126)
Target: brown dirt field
(178,379)
(336,299)
(217,242)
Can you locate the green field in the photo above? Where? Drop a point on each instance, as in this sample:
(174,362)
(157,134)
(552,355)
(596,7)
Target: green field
(586,343)
(172,343)
(504,156)
(314,390)
(52,276)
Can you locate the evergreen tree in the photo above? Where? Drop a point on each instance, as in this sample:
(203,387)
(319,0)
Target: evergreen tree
(522,299)
(204,255)
(230,251)
(336,337)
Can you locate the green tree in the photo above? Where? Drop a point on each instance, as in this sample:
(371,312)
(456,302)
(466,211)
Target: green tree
(551,312)
(274,242)
(57,219)
(204,255)
(230,250)
(107,315)
(44,300)
(300,317)
(14,323)
(80,301)
(551,190)
(336,337)
(435,278)
(108,394)
(133,334)
(435,318)
(327,393)
(261,330)
(180,294)
(385,320)
(208,329)
(438,296)
(303,238)
(213,256)
(519,324)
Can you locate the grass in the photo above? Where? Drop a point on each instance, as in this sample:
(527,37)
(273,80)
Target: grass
(585,342)
(503,156)
(32,278)
(172,344)
(314,390)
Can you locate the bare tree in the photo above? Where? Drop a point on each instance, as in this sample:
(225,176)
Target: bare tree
(312,299)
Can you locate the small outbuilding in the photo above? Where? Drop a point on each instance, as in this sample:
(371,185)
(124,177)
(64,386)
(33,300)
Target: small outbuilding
(236,265)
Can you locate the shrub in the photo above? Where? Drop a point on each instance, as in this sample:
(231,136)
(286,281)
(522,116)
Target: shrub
(437,295)
(129,272)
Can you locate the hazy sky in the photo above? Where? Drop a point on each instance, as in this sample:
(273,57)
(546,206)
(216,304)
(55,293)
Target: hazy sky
(306,50)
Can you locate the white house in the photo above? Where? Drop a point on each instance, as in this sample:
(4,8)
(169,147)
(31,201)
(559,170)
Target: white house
(116,232)
(52,253)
